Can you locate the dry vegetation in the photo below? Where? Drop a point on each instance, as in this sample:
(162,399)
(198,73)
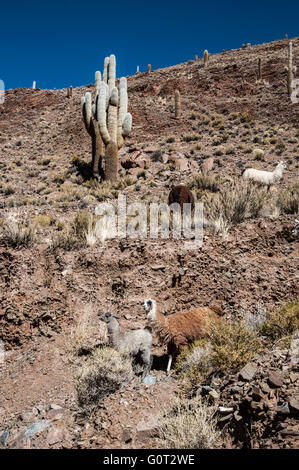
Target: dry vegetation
(191,424)
(105,372)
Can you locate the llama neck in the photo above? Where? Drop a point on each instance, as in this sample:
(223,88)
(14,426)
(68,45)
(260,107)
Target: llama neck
(159,323)
(113,334)
(278,171)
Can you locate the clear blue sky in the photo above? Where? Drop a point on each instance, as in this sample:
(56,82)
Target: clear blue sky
(62,43)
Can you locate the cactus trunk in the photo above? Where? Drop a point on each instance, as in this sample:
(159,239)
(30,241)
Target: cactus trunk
(206,59)
(290,69)
(111,162)
(259,69)
(177,104)
(96,139)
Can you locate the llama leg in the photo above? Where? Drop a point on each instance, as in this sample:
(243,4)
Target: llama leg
(147,360)
(169,364)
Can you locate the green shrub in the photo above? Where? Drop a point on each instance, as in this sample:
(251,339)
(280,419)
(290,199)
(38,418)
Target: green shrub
(282,323)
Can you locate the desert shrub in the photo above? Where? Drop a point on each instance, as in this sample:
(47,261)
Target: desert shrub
(233,345)
(246,117)
(103,374)
(16,232)
(43,220)
(59,178)
(191,424)
(288,199)
(227,347)
(203,182)
(279,147)
(230,151)
(235,203)
(221,139)
(124,182)
(66,239)
(192,364)
(282,323)
(190,137)
(258,154)
(219,151)
(7,189)
(170,139)
(157,156)
(80,223)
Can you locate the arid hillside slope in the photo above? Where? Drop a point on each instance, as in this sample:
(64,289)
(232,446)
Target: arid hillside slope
(46,284)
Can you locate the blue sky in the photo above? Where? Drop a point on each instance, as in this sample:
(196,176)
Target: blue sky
(62,43)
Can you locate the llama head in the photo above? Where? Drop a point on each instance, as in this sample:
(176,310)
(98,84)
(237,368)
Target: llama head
(150,307)
(282,165)
(108,317)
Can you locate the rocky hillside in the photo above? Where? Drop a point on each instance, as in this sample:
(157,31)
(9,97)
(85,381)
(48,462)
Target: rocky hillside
(50,279)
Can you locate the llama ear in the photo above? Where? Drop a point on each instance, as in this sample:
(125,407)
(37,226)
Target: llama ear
(115,316)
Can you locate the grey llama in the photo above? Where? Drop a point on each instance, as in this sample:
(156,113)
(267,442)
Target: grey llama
(133,342)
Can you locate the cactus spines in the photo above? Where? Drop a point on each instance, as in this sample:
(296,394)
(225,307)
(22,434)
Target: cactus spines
(98,78)
(177,104)
(106,65)
(149,68)
(206,58)
(93,130)
(113,118)
(290,69)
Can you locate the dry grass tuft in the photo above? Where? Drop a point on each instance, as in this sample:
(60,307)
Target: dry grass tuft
(16,232)
(288,199)
(203,182)
(191,424)
(234,204)
(103,374)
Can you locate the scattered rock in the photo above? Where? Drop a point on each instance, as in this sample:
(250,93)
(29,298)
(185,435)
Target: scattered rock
(275,379)
(248,372)
(55,435)
(126,436)
(149,380)
(4,438)
(294,406)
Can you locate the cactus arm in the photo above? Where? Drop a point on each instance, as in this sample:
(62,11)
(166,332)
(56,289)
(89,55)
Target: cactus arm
(106,66)
(102,114)
(112,72)
(123,110)
(98,78)
(112,115)
(127,125)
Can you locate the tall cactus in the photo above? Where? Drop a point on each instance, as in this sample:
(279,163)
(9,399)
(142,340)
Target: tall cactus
(290,69)
(93,130)
(177,104)
(206,58)
(259,69)
(111,111)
